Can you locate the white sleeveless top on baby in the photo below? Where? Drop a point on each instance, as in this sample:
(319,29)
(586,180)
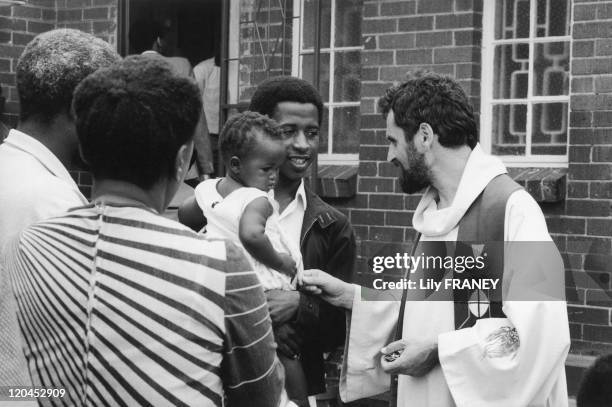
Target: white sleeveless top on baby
(223,220)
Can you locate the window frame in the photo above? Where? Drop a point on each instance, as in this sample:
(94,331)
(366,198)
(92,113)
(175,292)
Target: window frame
(296,64)
(487,76)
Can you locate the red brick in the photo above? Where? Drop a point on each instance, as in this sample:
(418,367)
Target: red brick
(575,331)
(591,66)
(379,26)
(601,190)
(78,3)
(602,154)
(415,56)
(573,226)
(578,190)
(419,23)
(387,234)
(359,217)
(370,10)
(367,169)
(367,106)
(5,66)
(10,51)
(587,207)
(604,11)
(27,12)
(594,316)
(398,218)
(386,201)
(600,29)
(467,71)
(589,244)
(581,119)
(434,39)
(581,49)
(368,137)
(590,136)
(103,27)
(456,54)
(12,24)
(49,15)
(590,171)
(591,102)
(603,83)
(603,47)
(22,39)
(104,2)
(396,41)
(602,119)
(434,6)
(369,74)
(70,15)
(373,121)
(599,227)
(468,5)
(5,37)
(370,42)
(376,184)
(376,58)
(98,13)
(468,37)
(37,27)
(600,298)
(397,8)
(597,333)
(465,20)
(580,154)
(582,84)
(584,12)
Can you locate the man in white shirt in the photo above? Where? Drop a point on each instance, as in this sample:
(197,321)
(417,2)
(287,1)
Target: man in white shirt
(457,350)
(34,180)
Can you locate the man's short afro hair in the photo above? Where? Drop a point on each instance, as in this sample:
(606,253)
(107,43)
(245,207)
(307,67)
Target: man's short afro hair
(279,89)
(52,65)
(133,117)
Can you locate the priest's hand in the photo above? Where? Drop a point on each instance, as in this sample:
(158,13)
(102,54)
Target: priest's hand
(416,358)
(331,289)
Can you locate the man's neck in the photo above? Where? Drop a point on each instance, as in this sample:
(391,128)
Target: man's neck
(53,135)
(447,173)
(285,191)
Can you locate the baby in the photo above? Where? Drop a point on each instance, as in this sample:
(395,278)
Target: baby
(237,207)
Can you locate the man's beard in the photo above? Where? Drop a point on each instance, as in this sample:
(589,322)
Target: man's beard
(417,176)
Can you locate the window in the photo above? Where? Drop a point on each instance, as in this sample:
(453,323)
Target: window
(339,70)
(278,37)
(525,97)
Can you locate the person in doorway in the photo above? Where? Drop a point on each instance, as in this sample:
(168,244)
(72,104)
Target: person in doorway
(148,38)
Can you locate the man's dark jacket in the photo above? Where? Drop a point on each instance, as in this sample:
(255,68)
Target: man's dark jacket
(327,242)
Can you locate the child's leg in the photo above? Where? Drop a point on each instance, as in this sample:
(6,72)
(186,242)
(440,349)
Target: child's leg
(295,380)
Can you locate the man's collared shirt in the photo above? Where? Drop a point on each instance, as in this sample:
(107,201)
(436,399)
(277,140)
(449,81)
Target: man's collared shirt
(34,185)
(292,218)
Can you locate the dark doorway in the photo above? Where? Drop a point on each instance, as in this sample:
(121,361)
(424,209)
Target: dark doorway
(193,26)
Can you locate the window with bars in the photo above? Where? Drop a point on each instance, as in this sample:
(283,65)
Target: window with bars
(317,40)
(525,80)
(336,45)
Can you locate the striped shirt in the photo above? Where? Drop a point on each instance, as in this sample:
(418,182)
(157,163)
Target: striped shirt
(120,306)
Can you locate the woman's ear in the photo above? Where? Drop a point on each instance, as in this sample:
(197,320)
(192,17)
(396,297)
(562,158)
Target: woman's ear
(234,165)
(182,160)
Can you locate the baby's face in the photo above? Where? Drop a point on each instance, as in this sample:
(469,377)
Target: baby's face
(259,169)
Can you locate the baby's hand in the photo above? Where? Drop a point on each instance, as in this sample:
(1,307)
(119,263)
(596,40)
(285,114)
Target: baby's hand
(288,265)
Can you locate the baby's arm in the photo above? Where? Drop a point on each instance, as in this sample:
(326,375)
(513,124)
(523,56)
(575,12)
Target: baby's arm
(190,214)
(252,233)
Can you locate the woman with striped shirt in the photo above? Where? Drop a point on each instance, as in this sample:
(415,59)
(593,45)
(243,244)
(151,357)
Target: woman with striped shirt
(120,306)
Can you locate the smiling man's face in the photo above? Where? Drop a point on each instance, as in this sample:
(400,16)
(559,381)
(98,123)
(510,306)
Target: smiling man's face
(299,124)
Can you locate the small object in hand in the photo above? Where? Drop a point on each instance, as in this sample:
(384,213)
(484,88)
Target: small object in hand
(392,356)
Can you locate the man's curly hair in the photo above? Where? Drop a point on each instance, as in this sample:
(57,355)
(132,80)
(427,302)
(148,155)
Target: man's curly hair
(427,97)
(133,117)
(52,65)
(238,135)
(280,89)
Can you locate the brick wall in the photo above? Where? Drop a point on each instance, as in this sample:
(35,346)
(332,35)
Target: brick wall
(445,36)
(399,36)
(584,226)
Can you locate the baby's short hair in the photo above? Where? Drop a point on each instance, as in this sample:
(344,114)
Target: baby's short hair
(238,136)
